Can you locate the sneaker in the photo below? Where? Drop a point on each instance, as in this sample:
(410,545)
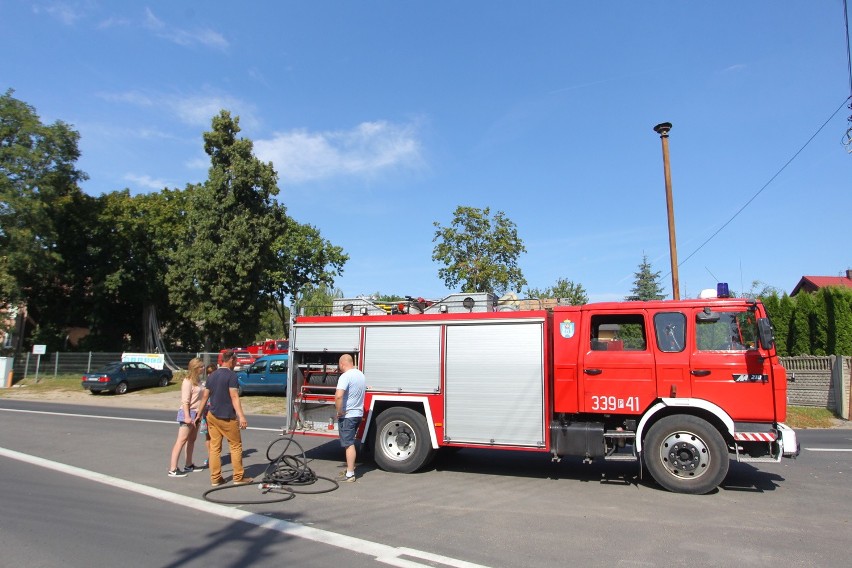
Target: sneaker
(244,481)
(190,468)
(218,483)
(177,473)
(347,479)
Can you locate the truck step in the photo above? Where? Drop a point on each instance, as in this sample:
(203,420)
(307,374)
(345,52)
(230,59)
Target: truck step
(762,459)
(620,457)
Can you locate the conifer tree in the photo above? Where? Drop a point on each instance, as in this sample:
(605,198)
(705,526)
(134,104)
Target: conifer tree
(646,285)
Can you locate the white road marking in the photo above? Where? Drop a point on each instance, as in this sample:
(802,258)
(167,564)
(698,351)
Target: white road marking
(117,418)
(828,449)
(381,552)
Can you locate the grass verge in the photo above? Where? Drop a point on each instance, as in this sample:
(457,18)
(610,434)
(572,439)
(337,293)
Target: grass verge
(807,417)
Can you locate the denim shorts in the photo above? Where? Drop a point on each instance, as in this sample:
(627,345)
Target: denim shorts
(347,428)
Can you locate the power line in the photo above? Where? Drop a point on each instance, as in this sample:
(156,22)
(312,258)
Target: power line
(753,197)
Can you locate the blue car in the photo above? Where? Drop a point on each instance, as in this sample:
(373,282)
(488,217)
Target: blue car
(120,377)
(266,375)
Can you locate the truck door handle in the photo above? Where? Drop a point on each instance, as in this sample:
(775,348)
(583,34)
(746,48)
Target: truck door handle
(593,371)
(700,372)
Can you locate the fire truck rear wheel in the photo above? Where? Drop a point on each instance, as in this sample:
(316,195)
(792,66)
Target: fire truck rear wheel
(686,454)
(402,441)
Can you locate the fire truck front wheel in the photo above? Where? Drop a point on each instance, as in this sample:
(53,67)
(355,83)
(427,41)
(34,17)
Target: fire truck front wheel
(402,441)
(686,454)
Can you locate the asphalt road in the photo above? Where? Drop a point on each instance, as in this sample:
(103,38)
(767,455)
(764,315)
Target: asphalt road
(85,486)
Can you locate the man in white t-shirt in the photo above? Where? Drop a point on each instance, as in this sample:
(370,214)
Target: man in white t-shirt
(349,402)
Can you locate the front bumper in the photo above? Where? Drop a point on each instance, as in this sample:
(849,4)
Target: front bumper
(789,442)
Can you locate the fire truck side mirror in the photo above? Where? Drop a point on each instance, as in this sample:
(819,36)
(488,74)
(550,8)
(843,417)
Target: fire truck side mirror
(765,333)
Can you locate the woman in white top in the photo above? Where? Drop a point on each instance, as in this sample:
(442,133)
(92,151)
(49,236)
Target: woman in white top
(190,394)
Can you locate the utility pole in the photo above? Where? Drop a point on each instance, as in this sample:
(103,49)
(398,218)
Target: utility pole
(663,130)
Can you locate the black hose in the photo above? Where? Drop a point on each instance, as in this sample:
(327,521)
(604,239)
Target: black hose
(282,475)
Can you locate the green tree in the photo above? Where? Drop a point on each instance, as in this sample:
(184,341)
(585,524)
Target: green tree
(646,285)
(271,326)
(317,300)
(131,244)
(773,308)
(216,275)
(479,253)
(800,326)
(784,327)
(564,289)
(379,297)
(838,303)
(38,185)
(301,257)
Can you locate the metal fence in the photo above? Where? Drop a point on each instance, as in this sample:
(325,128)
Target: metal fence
(65,363)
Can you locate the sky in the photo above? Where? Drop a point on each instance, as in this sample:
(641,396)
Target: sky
(382,117)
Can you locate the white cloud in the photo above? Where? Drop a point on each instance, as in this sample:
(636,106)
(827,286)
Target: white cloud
(368,148)
(147,181)
(198,110)
(134,98)
(113,22)
(194,110)
(735,68)
(205,36)
(66,12)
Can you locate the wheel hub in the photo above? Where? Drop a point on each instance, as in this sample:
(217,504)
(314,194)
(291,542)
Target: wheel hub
(685,454)
(399,441)
(402,440)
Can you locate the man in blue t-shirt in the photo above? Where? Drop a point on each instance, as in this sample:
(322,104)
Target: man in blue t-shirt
(225,419)
(349,402)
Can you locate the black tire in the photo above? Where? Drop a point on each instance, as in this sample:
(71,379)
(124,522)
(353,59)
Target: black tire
(121,388)
(164,381)
(686,454)
(240,390)
(402,443)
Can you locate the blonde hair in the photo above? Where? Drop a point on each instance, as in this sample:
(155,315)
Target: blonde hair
(196,367)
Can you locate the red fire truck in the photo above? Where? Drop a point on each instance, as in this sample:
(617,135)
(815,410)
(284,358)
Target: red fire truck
(269,347)
(679,386)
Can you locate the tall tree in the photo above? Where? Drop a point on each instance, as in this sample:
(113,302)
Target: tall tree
(301,257)
(646,285)
(130,245)
(839,306)
(784,324)
(479,253)
(38,182)
(216,275)
(801,329)
(564,289)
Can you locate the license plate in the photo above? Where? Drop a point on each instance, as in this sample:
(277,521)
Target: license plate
(95,379)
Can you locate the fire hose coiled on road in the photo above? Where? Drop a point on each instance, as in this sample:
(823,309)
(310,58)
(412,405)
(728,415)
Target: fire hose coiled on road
(286,476)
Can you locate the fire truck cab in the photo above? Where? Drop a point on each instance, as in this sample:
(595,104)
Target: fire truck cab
(683,386)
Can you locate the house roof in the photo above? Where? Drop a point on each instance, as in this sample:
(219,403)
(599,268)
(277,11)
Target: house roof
(814,283)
